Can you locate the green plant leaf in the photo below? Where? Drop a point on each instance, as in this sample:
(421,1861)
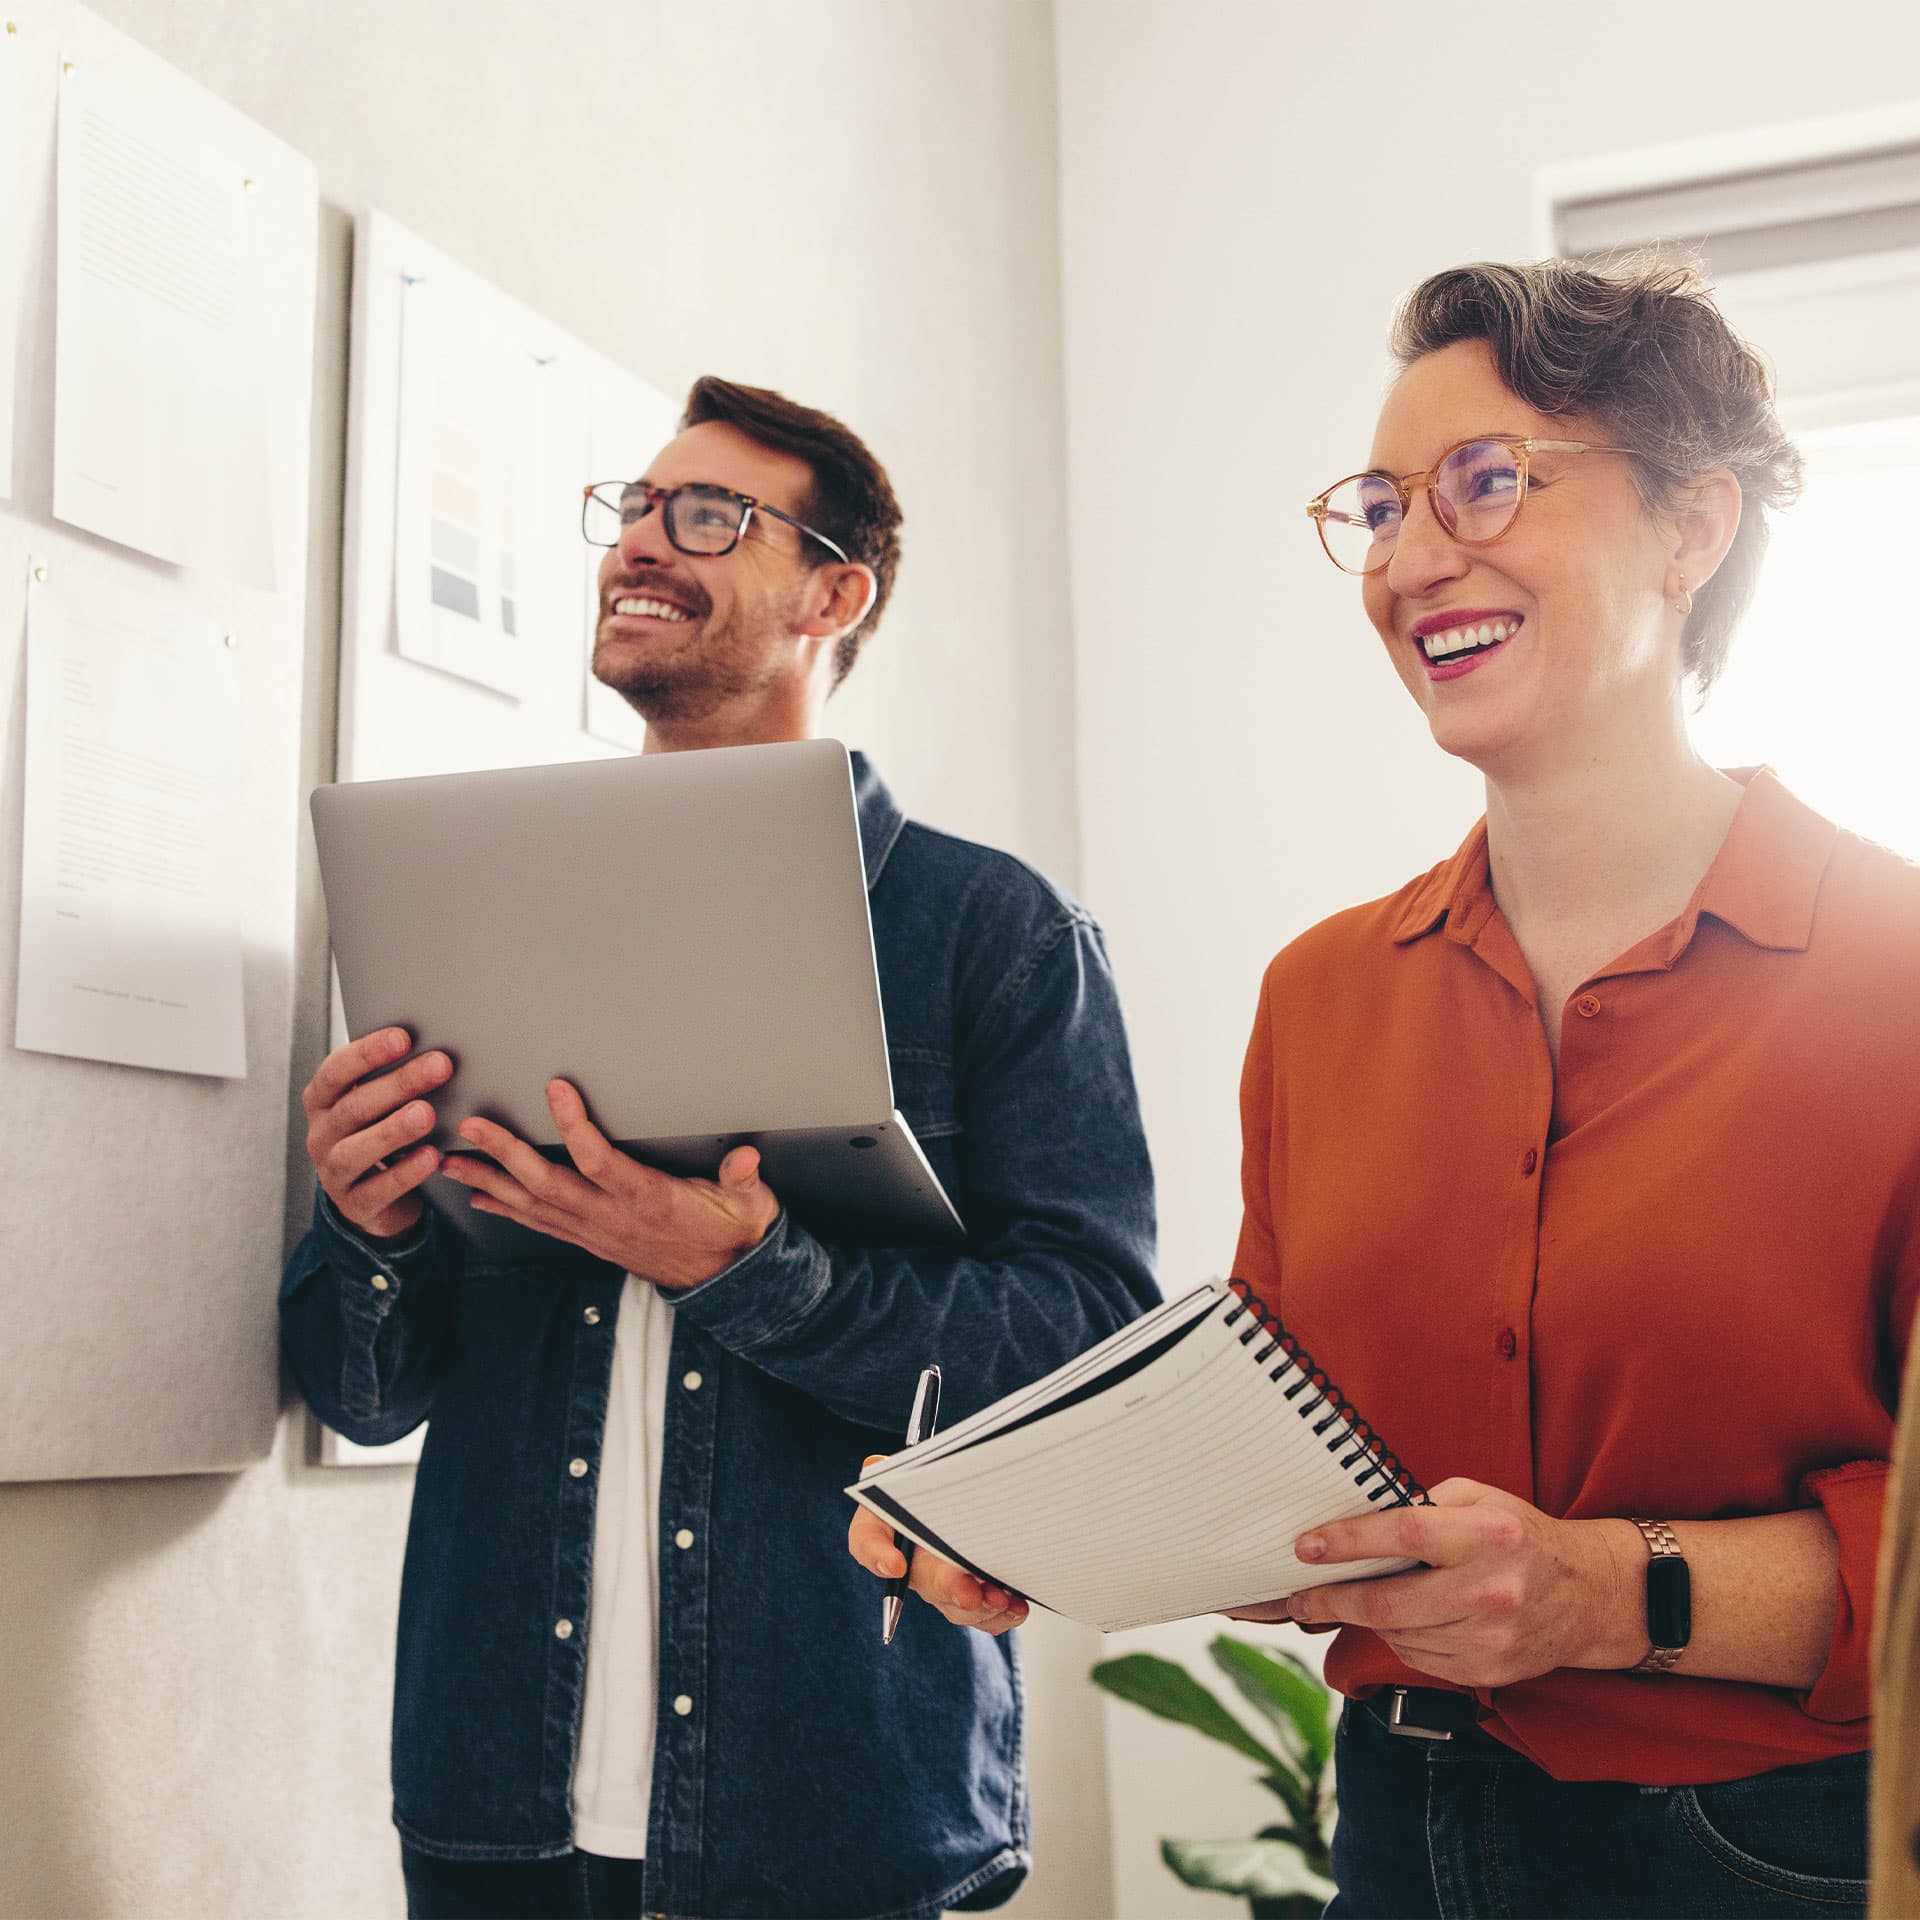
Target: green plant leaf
(1296,1797)
(1283,1688)
(1309,1839)
(1255,1869)
(1166,1688)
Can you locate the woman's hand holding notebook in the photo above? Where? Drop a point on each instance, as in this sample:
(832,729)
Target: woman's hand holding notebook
(1116,1490)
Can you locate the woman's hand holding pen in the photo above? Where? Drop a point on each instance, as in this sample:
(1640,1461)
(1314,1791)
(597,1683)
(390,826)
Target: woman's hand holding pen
(964,1600)
(1507,1592)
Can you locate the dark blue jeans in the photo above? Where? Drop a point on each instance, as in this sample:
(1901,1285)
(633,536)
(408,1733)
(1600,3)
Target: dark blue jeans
(576,1886)
(1466,1827)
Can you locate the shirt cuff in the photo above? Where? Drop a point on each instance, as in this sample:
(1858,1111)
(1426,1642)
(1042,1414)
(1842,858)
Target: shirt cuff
(1853,1497)
(341,1228)
(768,1290)
(380,1270)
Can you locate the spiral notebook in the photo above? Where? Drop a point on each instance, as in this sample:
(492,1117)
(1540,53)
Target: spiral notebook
(1164,1473)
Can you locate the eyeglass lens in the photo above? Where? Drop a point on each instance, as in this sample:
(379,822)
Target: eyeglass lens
(1476,492)
(700,520)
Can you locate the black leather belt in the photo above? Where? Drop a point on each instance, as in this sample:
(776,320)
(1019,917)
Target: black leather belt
(1424,1713)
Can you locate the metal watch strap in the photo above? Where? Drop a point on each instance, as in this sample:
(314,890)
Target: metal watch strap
(1662,1543)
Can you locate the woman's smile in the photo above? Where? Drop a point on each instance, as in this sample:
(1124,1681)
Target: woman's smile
(1456,642)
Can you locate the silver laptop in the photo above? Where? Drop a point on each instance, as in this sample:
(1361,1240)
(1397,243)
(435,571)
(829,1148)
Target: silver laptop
(684,936)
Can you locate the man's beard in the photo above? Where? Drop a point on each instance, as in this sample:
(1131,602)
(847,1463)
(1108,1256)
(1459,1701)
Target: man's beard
(694,681)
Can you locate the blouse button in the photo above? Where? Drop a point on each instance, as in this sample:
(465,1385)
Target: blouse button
(1507,1345)
(1587,1005)
(1529,1160)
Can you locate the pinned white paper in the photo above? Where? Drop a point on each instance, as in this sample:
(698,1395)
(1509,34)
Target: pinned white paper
(160,429)
(129,925)
(17,49)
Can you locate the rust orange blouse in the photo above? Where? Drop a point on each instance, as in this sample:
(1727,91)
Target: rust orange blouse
(1689,1303)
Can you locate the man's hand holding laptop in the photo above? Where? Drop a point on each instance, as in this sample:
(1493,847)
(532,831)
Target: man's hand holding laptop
(675,1232)
(366,1138)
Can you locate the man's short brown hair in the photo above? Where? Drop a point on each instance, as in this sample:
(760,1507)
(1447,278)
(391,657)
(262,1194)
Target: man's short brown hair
(852,500)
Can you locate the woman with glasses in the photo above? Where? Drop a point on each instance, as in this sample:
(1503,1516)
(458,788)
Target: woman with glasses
(1587,1163)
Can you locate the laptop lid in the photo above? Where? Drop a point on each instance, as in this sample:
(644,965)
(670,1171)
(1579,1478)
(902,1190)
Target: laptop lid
(683,935)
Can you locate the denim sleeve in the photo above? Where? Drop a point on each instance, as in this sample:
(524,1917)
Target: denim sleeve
(1057,1193)
(365,1329)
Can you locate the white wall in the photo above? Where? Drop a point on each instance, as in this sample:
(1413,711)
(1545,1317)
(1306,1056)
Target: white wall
(854,200)
(1246,187)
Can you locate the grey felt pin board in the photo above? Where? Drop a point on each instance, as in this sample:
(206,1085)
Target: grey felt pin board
(141,1213)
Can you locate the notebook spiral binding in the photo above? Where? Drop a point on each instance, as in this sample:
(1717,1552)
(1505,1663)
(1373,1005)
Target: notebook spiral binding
(1354,1433)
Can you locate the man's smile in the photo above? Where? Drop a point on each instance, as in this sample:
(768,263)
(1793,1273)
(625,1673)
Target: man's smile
(640,607)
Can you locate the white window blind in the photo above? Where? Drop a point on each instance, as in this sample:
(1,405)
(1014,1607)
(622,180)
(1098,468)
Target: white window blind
(1839,207)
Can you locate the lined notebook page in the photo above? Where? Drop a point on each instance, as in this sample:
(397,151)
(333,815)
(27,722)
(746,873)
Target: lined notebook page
(1178,1491)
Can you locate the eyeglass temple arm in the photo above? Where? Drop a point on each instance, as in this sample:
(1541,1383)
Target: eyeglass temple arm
(832,546)
(1568,446)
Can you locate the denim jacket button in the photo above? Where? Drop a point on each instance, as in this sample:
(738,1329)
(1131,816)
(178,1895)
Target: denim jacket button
(379,1282)
(591,1316)
(692,1382)
(683,1704)
(563,1629)
(684,1538)
(577,1468)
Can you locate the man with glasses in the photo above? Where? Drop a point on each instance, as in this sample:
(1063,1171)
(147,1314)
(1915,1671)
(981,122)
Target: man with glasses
(663,1417)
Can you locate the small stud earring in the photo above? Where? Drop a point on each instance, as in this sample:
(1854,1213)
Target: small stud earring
(1684,605)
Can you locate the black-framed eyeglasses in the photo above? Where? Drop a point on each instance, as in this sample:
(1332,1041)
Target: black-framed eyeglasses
(699,518)
(1476,490)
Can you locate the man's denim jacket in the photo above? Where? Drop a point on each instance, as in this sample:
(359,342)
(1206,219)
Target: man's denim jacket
(817,1773)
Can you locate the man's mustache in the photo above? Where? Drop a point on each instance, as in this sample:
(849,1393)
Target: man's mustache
(645,586)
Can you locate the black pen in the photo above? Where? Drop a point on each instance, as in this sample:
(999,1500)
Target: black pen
(920,1424)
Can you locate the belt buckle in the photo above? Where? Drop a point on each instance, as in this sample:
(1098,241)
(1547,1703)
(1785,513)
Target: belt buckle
(1397,1722)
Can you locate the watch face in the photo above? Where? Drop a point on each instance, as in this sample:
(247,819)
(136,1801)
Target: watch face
(1669,1601)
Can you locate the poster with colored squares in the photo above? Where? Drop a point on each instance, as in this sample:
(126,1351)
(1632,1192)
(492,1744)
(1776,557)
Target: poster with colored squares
(468,440)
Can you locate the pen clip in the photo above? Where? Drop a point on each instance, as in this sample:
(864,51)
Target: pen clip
(926,1406)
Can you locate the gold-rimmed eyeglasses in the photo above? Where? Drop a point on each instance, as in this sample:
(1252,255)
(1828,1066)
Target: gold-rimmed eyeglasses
(1476,490)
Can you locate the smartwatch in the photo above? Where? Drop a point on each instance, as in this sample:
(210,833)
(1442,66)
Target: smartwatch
(1669,1598)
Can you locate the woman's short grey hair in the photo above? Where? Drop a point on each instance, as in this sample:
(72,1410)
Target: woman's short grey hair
(1640,349)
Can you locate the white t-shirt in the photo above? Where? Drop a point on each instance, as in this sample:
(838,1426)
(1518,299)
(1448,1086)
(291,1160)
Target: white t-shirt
(613,1768)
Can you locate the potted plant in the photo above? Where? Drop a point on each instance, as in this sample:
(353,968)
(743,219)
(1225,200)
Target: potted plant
(1284,1870)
